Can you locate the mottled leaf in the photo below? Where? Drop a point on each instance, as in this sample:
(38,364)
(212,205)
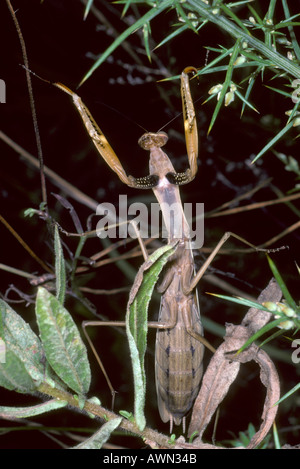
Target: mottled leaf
(136,323)
(23,352)
(14,376)
(101,436)
(63,345)
(60,271)
(31,411)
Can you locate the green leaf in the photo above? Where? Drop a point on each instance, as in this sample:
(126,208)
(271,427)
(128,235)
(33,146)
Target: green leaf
(163,5)
(287,94)
(101,436)
(293,37)
(272,337)
(251,82)
(282,284)
(245,101)
(241,301)
(60,271)
(24,356)
(14,376)
(146,33)
(259,333)
(226,84)
(63,345)
(231,14)
(223,53)
(185,18)
(255,14)
(251,304)
(137,323)
(30,212)
(87,8)
(172,35)
(2,348)
(273,141)
(288,394)
(127,415)
(276,437)
(31,411)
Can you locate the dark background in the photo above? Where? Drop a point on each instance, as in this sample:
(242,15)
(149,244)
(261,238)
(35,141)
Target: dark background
(123,95)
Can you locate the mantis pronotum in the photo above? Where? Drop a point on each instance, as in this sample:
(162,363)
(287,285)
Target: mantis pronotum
(180,342)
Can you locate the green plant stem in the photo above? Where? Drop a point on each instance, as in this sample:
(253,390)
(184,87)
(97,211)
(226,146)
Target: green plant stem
(106,415)
(205,11)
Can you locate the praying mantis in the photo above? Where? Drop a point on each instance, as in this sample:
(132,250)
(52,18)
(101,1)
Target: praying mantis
(171,409)
(179,339)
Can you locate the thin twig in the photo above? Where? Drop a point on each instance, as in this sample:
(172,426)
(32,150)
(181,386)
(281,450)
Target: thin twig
(32,104)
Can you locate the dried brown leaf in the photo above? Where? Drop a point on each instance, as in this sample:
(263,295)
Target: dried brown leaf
(225,364)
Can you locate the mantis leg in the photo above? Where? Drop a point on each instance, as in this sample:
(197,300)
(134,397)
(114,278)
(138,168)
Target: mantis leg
(85,324)
(213,254)
(190,125)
